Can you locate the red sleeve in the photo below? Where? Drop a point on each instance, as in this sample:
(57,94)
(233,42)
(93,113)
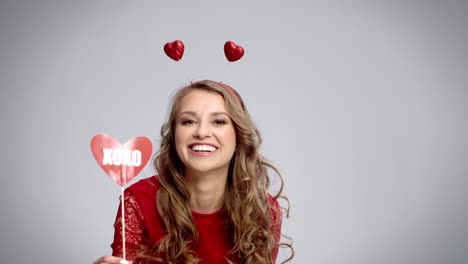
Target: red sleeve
(275,224)
(133,228)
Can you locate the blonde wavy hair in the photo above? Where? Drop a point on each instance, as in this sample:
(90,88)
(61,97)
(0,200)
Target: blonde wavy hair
(246,200)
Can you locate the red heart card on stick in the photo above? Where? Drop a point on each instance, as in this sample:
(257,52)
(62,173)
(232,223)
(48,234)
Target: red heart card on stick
(121,162)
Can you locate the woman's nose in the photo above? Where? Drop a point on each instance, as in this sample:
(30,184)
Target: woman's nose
(202,130)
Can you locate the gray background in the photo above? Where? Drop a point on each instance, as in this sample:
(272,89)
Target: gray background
(362,105)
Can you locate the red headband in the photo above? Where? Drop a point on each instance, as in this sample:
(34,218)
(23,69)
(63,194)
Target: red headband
(233,93)
(230,90)
(233,52)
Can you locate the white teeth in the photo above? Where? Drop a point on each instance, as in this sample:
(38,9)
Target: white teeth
(205,148)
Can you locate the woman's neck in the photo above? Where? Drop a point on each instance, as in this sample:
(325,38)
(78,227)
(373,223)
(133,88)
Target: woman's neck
(206,190)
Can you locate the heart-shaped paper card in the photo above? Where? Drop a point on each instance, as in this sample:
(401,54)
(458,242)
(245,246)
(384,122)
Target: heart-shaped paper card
(121,162)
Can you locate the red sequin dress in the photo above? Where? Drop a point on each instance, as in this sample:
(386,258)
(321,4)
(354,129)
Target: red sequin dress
(144,226)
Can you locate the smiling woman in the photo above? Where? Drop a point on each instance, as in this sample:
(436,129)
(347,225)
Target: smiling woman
(205,140)
(209,202)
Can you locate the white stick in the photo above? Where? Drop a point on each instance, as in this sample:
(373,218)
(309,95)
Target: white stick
(123,224)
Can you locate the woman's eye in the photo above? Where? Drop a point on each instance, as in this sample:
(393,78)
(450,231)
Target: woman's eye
(187,122)
(220,122)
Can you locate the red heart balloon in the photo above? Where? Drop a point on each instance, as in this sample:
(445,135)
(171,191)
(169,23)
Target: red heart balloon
(232,51)
(121,162)
(174,50)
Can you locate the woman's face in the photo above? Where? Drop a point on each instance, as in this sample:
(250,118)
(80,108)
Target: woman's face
(205,137)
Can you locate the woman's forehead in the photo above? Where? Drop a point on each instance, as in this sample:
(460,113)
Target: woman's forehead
(202,101)
(200,98)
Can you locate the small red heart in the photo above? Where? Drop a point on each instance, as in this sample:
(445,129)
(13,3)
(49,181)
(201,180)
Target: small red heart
(121,162)
(232,51)
(174,50)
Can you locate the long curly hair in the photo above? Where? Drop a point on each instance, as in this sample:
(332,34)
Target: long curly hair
(246,200)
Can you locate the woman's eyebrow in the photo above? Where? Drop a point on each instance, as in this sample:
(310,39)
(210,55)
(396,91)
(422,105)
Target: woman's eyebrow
(219,113)
(188,113)
(194,113)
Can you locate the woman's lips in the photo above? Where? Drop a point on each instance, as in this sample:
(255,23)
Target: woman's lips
(202,149)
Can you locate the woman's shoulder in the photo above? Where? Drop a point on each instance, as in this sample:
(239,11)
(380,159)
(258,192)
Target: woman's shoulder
(275,211)
(273,200)
(146,187)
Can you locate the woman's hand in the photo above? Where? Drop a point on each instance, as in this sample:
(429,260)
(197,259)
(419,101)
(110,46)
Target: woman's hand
(110,260)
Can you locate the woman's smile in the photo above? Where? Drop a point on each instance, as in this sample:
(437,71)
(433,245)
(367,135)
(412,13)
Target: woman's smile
(202,149)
